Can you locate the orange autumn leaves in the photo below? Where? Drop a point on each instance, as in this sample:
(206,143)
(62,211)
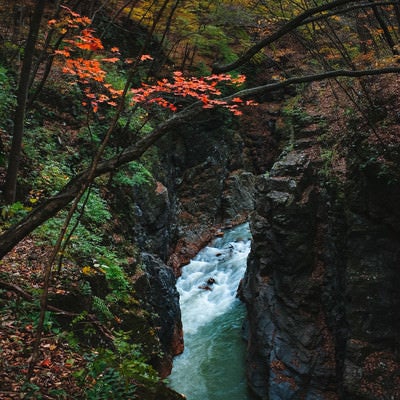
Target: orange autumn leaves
(203,89)
(83,61)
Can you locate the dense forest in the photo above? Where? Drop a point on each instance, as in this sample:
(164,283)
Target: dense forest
(134,131)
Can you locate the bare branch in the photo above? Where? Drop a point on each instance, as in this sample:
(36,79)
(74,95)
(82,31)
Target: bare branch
(348,9)
(251,92)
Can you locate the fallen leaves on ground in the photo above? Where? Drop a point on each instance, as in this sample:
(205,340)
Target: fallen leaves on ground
(54,374)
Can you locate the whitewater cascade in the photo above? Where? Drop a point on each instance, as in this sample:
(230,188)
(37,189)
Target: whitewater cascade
(212,365)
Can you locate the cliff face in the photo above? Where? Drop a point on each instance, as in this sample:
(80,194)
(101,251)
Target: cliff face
(322,283)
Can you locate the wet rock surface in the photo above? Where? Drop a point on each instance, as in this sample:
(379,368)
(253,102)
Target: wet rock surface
(210,180)
(321,285)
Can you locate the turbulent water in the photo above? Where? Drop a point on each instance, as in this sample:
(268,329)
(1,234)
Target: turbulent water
(212,365)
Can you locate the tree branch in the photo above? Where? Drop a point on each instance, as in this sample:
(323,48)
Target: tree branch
(302,19)
(348,9)
(251,92)
(55,203)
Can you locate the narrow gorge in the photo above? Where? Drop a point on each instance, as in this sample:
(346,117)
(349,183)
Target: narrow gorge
(191,186)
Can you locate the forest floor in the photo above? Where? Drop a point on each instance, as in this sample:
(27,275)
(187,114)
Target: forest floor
(54,374)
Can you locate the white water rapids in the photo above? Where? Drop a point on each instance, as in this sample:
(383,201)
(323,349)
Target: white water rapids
(212,365)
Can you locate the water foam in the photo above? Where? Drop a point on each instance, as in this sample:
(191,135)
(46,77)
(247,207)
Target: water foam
(226,265)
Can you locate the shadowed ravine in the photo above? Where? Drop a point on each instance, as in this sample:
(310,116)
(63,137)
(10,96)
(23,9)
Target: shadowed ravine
(212,365)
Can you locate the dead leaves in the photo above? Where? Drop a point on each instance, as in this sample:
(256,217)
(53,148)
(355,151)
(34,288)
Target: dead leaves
(58,361)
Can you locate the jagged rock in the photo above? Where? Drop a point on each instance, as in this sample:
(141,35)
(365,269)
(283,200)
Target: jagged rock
(238,196)
(208,178)
(163,297)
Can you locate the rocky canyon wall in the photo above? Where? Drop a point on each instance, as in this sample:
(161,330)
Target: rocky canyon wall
(322,284)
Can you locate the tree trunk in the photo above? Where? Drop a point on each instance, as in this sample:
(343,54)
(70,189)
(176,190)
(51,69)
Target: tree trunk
(22,95)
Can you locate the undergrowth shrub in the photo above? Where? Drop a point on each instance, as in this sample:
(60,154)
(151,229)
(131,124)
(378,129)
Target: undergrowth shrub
(7,98)
(133,174)
(115,373)
(11,213)
(86,238)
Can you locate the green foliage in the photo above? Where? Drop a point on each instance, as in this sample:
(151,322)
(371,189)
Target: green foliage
(50,324)
(101,308)
(110,385)
(117,285)
(85,288)
(214,42)
(133,174)
(58,394)
(50,169)
(115,276)
(96,210)
(115,372)
(296,117)
(116,78)
(7,97)
(90,138)
(85,241)
(40,144)
(135,122)
(327,155)
(53,176)
(31,391)
(11,213)
(23,311)
(26,313)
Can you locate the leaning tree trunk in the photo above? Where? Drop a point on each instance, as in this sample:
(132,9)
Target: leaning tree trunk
(54,204)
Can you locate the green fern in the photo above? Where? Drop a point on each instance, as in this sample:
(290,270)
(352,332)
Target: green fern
(101,308)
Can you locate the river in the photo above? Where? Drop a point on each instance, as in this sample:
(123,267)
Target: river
(212,365)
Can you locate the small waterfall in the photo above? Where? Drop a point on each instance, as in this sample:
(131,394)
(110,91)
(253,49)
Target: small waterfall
(212,365)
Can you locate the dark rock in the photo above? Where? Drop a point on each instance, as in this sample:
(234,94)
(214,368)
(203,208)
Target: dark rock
(203,176)
(322,284)
(162,296)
